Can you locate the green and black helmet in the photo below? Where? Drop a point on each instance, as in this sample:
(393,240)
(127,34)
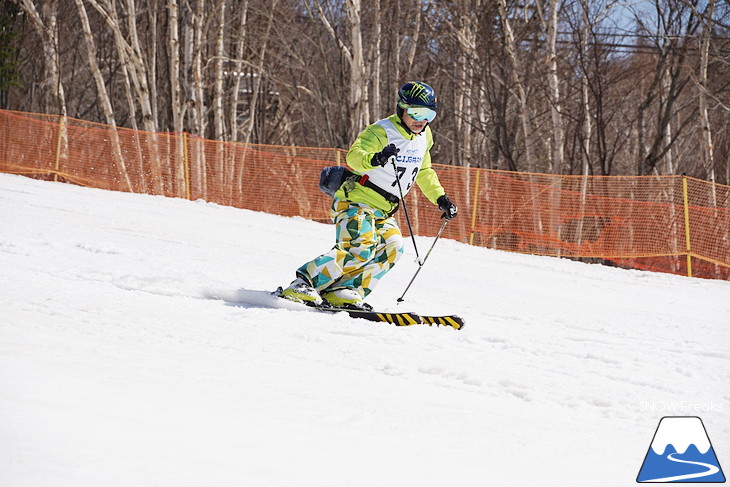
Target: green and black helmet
(417,94)
(418,100)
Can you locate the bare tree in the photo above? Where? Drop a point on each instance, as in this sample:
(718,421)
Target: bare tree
(549,21)
(706,128)
(102,94)
(9,30)
(237,66)
(465,93)
(544,85)
(673,24)
(218,117)
(357,87)
(46,25)
(376,59)
(517,73)
(173,48)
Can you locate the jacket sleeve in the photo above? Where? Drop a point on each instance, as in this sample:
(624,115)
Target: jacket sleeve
(370,141)
(427,178)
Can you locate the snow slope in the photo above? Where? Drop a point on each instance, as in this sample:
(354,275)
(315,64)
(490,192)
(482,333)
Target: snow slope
(134,352)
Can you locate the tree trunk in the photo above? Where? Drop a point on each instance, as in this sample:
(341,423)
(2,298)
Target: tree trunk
(139,70)
(238,66)
(558,152)
(708,152)
(376,61)
(524,109)
(587,126)
(103,95)
(519,87)
(176,107)
(218,117)
(357,89)
(463,112)
(151,56)
(358,75)
(55,101)
(256,76)
(415,34)
(198,94)
(132,59)
(198,97)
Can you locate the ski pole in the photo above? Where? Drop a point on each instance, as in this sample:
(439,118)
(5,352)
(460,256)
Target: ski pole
(420,265)
(405,210)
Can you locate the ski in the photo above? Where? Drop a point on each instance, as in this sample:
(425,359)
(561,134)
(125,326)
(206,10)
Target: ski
(456,322)
(401,318)
(397,319)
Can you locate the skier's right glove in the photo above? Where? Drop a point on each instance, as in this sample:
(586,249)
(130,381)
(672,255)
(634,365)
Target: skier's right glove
(381,158)
(447,207)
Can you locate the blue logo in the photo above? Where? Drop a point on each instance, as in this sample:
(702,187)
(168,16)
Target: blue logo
(681,452)
(408,159)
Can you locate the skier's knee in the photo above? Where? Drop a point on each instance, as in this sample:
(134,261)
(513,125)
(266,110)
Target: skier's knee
(396,247)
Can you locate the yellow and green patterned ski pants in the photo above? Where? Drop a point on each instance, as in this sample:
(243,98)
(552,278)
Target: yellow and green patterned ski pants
(369,243)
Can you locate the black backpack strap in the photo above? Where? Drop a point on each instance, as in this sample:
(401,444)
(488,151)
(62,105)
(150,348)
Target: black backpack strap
(365,181)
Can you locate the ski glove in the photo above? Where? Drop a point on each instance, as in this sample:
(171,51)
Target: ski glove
(447,207)
(381,158)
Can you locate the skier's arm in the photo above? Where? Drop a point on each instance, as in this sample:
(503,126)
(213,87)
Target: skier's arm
(370,141)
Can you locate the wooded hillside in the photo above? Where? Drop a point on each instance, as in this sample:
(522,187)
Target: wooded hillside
(564,86)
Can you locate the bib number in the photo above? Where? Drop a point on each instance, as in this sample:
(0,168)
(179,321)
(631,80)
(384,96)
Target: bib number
(399,176)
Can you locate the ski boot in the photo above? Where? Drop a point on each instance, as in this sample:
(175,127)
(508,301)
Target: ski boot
(301,291)
(346,298)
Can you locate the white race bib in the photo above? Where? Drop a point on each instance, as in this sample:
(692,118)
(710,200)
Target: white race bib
(408,161)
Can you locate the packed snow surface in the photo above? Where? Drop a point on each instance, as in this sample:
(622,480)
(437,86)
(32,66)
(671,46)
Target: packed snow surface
(138,347)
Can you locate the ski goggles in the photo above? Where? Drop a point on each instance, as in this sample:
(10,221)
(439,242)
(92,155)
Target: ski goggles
(421,113)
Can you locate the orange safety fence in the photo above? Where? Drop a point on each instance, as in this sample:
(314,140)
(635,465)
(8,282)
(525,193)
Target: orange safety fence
(670,224)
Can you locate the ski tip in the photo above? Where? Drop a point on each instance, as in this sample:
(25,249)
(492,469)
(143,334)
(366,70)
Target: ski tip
(455,322)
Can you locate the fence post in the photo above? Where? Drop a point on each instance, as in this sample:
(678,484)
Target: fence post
(474,208)
(58,148)
(186,164)
(686,226)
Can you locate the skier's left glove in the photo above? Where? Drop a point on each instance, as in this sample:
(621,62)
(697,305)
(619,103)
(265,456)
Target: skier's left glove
(447,207)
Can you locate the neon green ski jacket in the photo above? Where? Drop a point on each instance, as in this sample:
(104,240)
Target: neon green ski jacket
(372,140)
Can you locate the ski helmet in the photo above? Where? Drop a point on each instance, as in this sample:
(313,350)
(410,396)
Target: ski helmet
(417,94)
(418,100)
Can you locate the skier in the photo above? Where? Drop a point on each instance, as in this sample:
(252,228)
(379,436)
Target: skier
(369,242)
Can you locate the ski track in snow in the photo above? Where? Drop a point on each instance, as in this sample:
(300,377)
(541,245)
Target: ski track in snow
(139,346)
